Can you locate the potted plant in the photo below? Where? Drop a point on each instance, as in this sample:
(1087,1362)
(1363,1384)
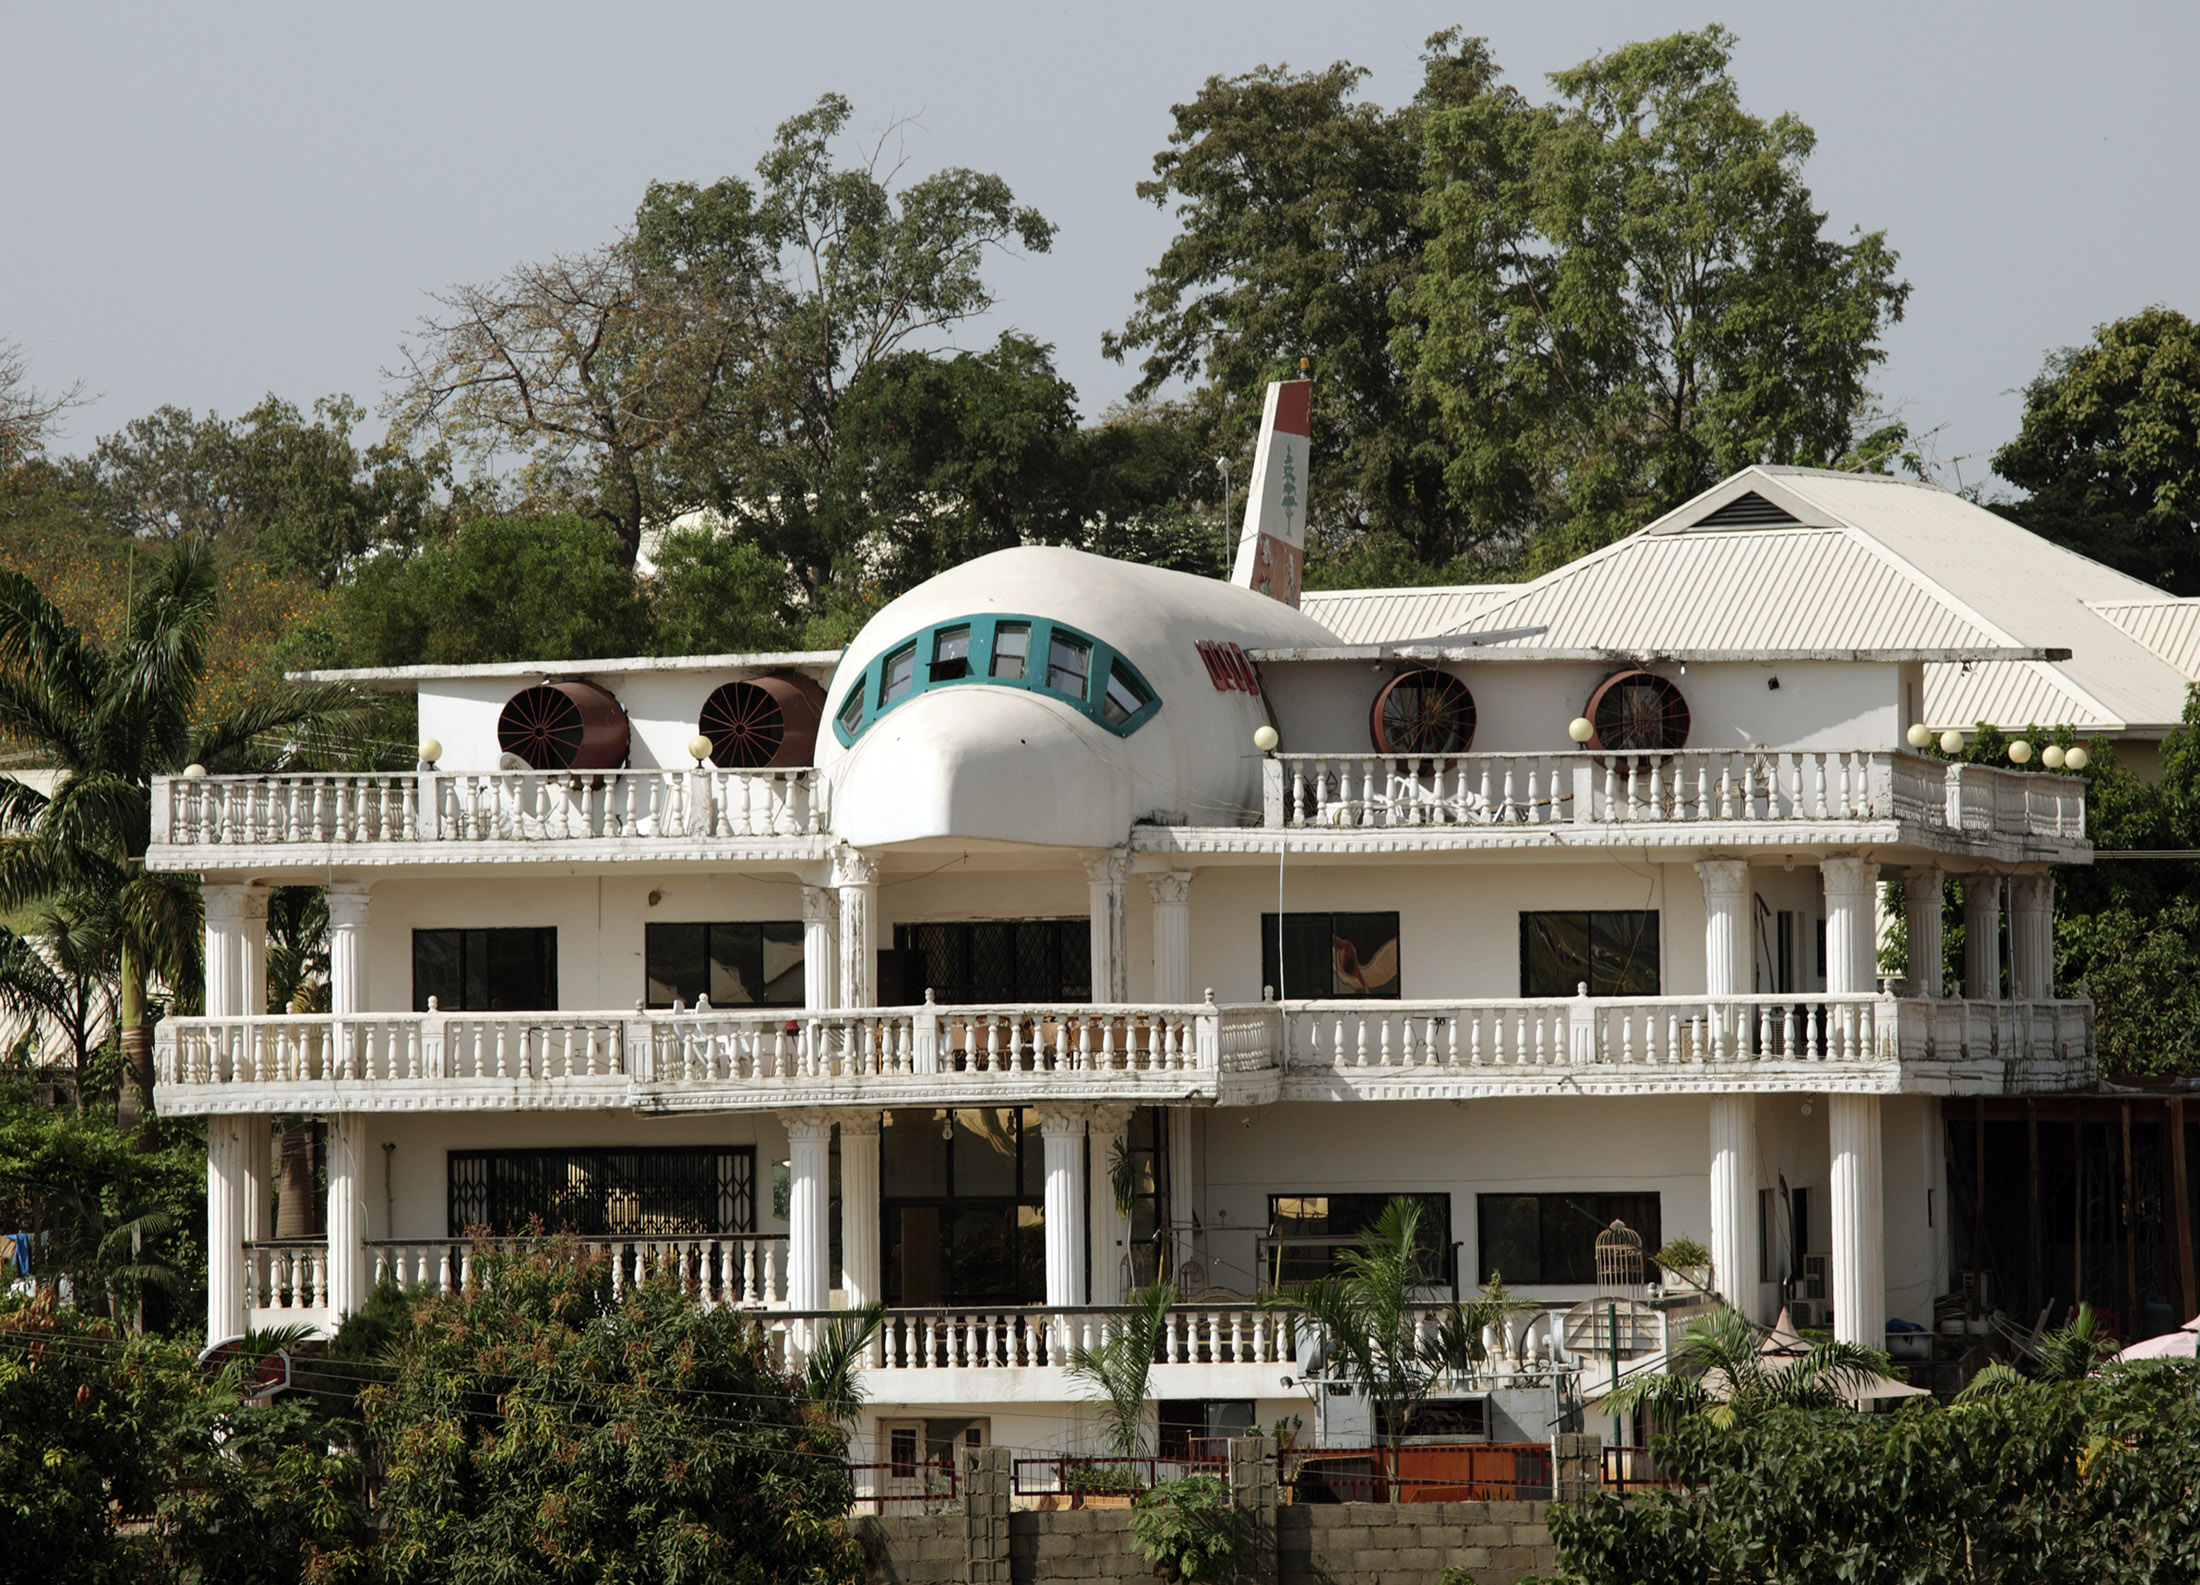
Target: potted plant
(1686,1264)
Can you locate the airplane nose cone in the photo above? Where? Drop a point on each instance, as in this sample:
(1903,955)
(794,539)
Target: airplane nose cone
(984,764)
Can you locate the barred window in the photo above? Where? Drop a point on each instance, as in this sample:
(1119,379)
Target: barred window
(666,1191)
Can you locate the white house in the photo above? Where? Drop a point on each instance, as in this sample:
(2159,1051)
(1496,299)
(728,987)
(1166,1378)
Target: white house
(1084,923)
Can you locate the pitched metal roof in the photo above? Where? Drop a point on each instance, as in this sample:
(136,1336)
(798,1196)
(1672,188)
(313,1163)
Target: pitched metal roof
(1799,559)
(1374,616)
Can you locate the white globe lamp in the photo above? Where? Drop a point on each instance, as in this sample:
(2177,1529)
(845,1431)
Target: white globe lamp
(1581,729)
(1951,742)
(430,751)
(2020,751)
(2052,756)
(1920,736)
(2075,759)
(698,749)
(1265,738)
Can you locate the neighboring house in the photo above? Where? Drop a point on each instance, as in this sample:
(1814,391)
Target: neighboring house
(870,1007)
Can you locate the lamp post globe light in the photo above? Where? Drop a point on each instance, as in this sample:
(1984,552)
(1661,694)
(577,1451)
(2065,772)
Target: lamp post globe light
(2052,756)
(1951,742)
(1581,729)
(1920,736)
(2020,751)
(1265,738)
(2074,759)
(699,749)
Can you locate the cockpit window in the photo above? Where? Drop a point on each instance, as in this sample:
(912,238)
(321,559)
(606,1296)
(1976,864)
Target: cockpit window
(951,654)
(1011,645)
(1069,663)
(1026,652)
(1125,696)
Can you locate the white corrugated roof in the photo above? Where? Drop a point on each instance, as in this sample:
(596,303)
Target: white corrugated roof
(1841,561)
(1384,616)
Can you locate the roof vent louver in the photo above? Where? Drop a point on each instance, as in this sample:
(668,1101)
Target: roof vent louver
(1747,511)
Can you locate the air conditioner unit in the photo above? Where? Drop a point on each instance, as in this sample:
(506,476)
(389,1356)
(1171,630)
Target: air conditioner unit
(1803,1313)
(1814,1277)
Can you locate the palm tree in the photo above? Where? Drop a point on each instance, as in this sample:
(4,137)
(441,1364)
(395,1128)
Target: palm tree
(1723,1372)
(1118,1367)
(109,717)
(830,1376)
(60,974)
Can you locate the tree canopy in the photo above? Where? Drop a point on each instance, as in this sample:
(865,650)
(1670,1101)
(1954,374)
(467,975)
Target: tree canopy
(2110,449)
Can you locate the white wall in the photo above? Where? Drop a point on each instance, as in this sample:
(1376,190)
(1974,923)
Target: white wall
(661,707)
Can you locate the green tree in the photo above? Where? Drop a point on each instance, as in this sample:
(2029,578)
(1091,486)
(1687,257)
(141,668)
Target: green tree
(1630,293)
(299,493)
(108,718)
(717,594)
(2110,449)
(1298,206)
(541,1428)
(1719,1370)
(60,975)
(495,589)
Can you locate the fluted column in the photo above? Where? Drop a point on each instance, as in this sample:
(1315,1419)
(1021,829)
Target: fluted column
(1982,937)
(1172,937)
(1111,1238)
(1110,964)
(1733,1198)
(1922,893)
(2032,937)
(820,949)
(223,954)
(859,1209)
(809,1209)
(1062,1128)
(253,919)
(347,947)
(1725,926)
(855,880)
(226,1147)
(1858,1221)
(1852,916)
(259,1179)
(347,1211)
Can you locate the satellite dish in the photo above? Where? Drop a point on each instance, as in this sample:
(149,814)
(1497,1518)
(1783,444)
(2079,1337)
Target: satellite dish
(512,762)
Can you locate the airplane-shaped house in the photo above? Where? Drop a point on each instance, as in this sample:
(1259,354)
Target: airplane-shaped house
(1084,926)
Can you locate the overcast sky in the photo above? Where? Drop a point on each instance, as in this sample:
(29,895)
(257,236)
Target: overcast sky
(207,203)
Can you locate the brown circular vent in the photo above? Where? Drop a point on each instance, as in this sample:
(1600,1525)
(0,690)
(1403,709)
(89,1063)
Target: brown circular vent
(1637,713)
(762,723)
(564,726)
(1422,712)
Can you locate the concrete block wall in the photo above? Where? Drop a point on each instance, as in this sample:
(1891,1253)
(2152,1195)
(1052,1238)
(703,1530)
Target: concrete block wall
(1491,1543)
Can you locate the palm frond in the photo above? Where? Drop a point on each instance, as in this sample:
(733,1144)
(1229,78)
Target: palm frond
(298,725)
(830,1376)
(1118,1368)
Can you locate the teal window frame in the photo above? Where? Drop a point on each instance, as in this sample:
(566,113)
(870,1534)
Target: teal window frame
(869,688)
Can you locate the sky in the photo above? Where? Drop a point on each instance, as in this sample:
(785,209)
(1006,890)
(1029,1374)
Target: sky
(204,204)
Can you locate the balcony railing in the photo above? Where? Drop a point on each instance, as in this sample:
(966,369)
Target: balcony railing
(502,806)
(1696,786)
(711,1047)
(930,1054)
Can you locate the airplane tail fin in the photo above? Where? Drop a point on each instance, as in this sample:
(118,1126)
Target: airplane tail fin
(1272,544)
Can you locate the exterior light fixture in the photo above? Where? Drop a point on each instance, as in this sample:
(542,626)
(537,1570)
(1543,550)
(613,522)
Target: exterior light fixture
(1920,736)
(2020,751)
(1951,742)
(194,772)
(2052,756)
(430,752)
(2074,759)
(1581,729)
(698,749)
(1265,739)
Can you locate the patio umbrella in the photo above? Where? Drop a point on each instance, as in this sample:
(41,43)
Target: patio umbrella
(2184,1343)
(1856,1388)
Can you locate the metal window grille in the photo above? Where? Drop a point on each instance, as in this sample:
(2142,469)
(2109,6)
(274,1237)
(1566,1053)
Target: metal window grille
(669,1191)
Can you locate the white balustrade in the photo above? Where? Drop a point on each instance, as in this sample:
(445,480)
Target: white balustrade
(1006,1338)
(1703,786)
(737,1270)
(290,1275)
(498,806)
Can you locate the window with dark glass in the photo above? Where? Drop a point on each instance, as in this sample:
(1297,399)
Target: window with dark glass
(950,654)
(1069,664)
(1308,1230)
(900,675)
(1322,956)
(1011,648)
(1124,697)
(747,964)
(1613,952)
(1552,1238)
(1146,1166)
(851,708)
(485,971)
(963,1199)
(968,961)
(665,1191)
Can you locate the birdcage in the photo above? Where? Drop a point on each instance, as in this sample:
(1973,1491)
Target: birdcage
(1619,1261)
